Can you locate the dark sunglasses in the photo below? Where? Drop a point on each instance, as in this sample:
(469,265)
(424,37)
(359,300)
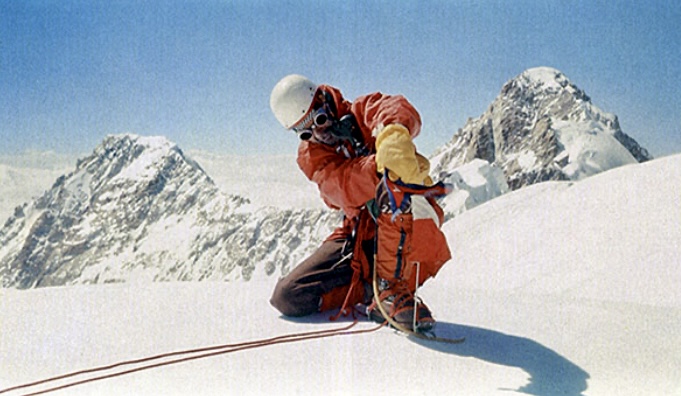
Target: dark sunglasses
(319,117)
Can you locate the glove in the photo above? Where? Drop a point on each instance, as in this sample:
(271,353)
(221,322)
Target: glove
(396,152)
(424,169)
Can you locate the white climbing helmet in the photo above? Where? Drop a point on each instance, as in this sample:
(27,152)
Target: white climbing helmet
(291,99)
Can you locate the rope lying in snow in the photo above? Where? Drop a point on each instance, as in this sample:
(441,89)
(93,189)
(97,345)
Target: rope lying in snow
(198,353)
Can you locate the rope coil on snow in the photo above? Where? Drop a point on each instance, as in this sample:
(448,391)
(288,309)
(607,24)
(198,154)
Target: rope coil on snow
(198,353)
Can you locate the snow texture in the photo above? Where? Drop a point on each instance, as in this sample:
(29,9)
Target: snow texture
(562,288)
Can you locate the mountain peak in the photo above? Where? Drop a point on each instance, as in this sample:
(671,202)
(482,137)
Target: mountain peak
(541,127)
(544,75)
(107,206)
(147,141)
(131,143)
(542,81)
(133,157)
(138,209)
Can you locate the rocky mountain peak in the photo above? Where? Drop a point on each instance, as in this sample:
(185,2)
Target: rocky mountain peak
(137,208)
(541,127)
(544,78)
(132,157)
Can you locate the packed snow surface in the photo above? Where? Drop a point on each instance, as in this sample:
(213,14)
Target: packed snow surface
(559,289)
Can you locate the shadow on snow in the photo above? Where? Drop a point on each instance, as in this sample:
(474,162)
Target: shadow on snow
(550,373)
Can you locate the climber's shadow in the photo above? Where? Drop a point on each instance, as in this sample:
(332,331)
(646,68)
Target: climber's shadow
(550,373)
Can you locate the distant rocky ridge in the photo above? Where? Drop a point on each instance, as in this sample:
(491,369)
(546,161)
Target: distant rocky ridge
(138,209)
(541,127)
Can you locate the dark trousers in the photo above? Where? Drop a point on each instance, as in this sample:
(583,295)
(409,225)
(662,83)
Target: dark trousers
(300,292)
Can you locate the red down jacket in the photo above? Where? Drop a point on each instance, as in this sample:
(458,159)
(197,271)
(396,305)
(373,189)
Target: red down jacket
(349,183)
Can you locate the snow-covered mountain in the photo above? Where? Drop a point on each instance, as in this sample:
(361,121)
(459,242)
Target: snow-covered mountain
(474,183)
(560,288)
(541,127)
(139,208)
(22,182)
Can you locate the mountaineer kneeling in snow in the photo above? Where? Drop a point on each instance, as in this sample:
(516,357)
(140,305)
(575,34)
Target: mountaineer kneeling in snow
(390,223)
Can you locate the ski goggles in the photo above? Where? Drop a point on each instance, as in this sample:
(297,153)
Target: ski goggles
(318,118)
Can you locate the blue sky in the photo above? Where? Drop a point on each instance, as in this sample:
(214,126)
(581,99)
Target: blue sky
(200,72)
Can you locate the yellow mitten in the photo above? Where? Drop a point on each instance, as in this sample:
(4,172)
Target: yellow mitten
(424,169)
(396,152)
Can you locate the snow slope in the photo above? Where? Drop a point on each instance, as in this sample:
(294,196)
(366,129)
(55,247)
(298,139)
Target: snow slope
(560,289)
(19,184)
(264,180)
(27,175)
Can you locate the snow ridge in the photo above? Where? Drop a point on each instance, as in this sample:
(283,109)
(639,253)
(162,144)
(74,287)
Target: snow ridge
(139,209)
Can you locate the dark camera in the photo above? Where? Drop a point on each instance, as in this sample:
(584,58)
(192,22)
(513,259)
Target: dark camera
(345,127)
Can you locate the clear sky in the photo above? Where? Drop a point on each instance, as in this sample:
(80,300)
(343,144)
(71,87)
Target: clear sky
(200,72)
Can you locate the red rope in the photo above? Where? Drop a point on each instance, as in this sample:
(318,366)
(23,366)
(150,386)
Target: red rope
(201,354)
